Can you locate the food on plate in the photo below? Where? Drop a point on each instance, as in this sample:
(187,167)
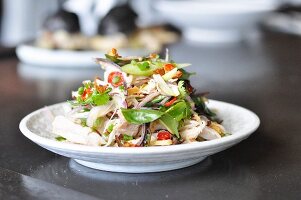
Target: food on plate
(141,101)
(118,28)
(62,31)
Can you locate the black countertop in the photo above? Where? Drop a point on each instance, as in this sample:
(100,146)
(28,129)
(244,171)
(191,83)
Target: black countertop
(263,76)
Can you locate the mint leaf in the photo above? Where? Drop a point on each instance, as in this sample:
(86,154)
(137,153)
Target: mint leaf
(100,99)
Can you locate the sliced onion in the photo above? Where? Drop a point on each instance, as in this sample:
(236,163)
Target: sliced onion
(99,111)
(143,132)
(163,88)
(69,130)
(170,74)
(107,65)
(209,134)
(147,99)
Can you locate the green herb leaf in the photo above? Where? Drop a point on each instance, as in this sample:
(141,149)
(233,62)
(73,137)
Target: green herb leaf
(60,138)
(143,66)
(135,116)
(101,99)
(170,123)
(202,109)
(127,137)
(80,90)
(182,89)
(179,111)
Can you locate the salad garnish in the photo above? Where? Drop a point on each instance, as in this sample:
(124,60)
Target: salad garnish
(142,101)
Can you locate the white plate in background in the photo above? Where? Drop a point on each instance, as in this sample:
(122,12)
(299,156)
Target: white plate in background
(31,54)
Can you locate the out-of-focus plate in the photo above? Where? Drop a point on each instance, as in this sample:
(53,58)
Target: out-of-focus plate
(66,58)
(239,121)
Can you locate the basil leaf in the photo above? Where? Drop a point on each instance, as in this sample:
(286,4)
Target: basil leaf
(100,99)
(170,123)
(179,111)
(135,116)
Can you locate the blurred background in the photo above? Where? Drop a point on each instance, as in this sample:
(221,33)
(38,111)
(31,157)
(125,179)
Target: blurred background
(56,41)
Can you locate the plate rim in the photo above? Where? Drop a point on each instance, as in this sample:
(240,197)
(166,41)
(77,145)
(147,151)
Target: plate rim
(46,142)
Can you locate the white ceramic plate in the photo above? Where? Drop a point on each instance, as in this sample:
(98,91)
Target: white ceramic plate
(31,54)
(237,120)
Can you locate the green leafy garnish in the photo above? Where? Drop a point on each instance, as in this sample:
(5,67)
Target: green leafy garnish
(141,116)
(60,138)
(127,137)
(80,90)
(182,89)
(100,99)
(170,123)
(143,65)
(179,111)
(203,109)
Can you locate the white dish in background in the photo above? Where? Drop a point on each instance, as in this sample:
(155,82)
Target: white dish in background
(215,21)
(239,121)
(66,58)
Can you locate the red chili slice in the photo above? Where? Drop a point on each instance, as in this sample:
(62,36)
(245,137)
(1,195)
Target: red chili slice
(115,78)
(168,67)
(86,93)
(167,104)
(164,135)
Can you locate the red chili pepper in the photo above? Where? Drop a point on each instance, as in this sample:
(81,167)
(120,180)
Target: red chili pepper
(167,104)
(168,67)
(164,135)
(87,91)
(115,78)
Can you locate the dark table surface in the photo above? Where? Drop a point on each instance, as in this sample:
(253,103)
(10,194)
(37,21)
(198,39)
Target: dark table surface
(262,75)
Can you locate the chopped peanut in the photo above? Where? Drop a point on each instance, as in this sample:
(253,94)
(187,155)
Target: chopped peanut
(153,55)
(160,71)
(133,90)
(113,52)
(99,88)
